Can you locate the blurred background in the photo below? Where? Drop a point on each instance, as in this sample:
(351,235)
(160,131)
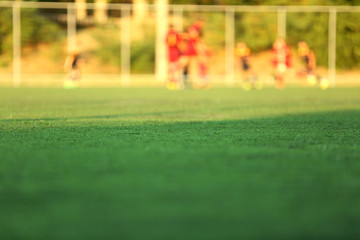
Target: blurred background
(122,42)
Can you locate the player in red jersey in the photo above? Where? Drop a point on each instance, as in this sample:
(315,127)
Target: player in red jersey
(184,59)
(198,25)
(281,61)
(172,41)
(194,33)
(204,55)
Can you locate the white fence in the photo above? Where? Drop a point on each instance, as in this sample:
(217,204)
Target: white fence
(125,9)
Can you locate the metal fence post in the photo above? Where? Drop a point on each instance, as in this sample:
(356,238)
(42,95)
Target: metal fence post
(71,28)
(332,46)
(161,64)
(16,44)
(281,23)
(230,45)
(125,45)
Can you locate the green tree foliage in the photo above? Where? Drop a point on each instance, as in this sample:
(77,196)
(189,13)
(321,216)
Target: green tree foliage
(109,49)
(348,39)
(258,30)
(5,29)
(143,57)
(35,29)
(312,28)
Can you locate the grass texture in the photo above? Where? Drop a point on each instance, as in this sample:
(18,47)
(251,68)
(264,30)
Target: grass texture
(156,164)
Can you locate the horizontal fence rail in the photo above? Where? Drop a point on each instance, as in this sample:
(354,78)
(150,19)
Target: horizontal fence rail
(211,8)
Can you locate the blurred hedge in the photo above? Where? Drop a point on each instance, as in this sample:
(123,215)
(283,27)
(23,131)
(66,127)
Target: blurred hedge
(35,29)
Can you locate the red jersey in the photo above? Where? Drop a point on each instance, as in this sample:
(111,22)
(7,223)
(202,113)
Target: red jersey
(183,44)
(193,33)
(172,41)
(282,55)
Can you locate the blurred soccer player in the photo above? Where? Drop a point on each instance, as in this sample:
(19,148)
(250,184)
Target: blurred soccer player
(309,60)
(198,25)
(172,41)
(194,32)
(184,59)
(281,61)
(249,79)
(72,65)
(204,55)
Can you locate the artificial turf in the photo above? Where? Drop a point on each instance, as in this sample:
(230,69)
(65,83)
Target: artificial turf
(158,164)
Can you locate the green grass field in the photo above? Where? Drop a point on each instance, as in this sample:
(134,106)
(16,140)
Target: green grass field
(155,164)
